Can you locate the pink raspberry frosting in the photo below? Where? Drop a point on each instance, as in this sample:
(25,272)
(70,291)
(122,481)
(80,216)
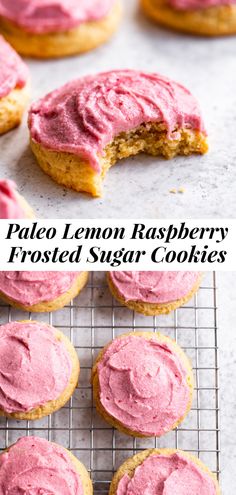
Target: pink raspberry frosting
(167,475)
(154,287)
(85,115)
(13,71)
(9,201)
(143,384)
(34,466)
(29,288)
(198,4)
(35,367)
(45,16)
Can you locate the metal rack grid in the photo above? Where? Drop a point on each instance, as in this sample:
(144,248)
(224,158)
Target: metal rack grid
(90,321)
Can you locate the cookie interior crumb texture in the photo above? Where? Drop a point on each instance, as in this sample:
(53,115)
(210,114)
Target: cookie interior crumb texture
(152,138)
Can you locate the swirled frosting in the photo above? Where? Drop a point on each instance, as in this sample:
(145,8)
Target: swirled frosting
(13,71)
(85,115)
(143,384)
(198,4)
(153,287)
(9,200)
(29,288)
(34,466)
(167,475)
(45,16)
(35,366)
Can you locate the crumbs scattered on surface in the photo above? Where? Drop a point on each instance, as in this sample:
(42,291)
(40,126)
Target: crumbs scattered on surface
(181,190)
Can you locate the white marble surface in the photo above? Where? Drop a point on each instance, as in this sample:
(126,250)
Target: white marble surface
(140,186)
(227,343)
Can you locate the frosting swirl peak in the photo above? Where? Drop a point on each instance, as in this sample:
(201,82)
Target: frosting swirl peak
(45,16)
(167,475)
(143,384)
(29,288)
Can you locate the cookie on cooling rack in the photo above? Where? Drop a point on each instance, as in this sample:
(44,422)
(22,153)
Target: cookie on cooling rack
(110,116)
(153,293)
(12,204)
(202,17)
(14,87)
(34,465)
(143,384)
(57,28)
(39,370)
(164,471)
(40,291)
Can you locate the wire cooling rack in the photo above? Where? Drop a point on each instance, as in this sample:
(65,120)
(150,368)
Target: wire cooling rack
(90,321)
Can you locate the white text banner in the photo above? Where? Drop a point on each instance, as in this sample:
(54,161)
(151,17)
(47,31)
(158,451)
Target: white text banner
(118,244)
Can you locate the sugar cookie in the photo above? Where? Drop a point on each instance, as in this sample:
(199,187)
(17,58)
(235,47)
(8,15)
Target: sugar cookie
(14,87)
(80,130)
(57,28)
(40,291)
(143,384)
(202,17)
(39,370)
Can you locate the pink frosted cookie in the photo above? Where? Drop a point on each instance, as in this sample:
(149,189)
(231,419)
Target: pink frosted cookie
(164,472)
(153,293)
(40,291)
(14,78)
(12,204)
(55,28)
(35,466)
(39,370)
(143,384)
(80,130)
(203,17)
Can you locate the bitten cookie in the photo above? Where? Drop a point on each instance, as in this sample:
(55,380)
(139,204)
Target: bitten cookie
(164,472)
(143,384)
(111,116)
(12,204)
(202,17)
(14,87)
(39,370)
(34,465)
(40,291)
(153,293)
(57,28)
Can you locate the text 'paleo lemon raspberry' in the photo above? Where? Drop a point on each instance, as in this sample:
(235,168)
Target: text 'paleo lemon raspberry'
(81,129)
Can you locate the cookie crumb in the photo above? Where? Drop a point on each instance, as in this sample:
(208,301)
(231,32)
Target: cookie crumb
(173,191)
(181,190)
